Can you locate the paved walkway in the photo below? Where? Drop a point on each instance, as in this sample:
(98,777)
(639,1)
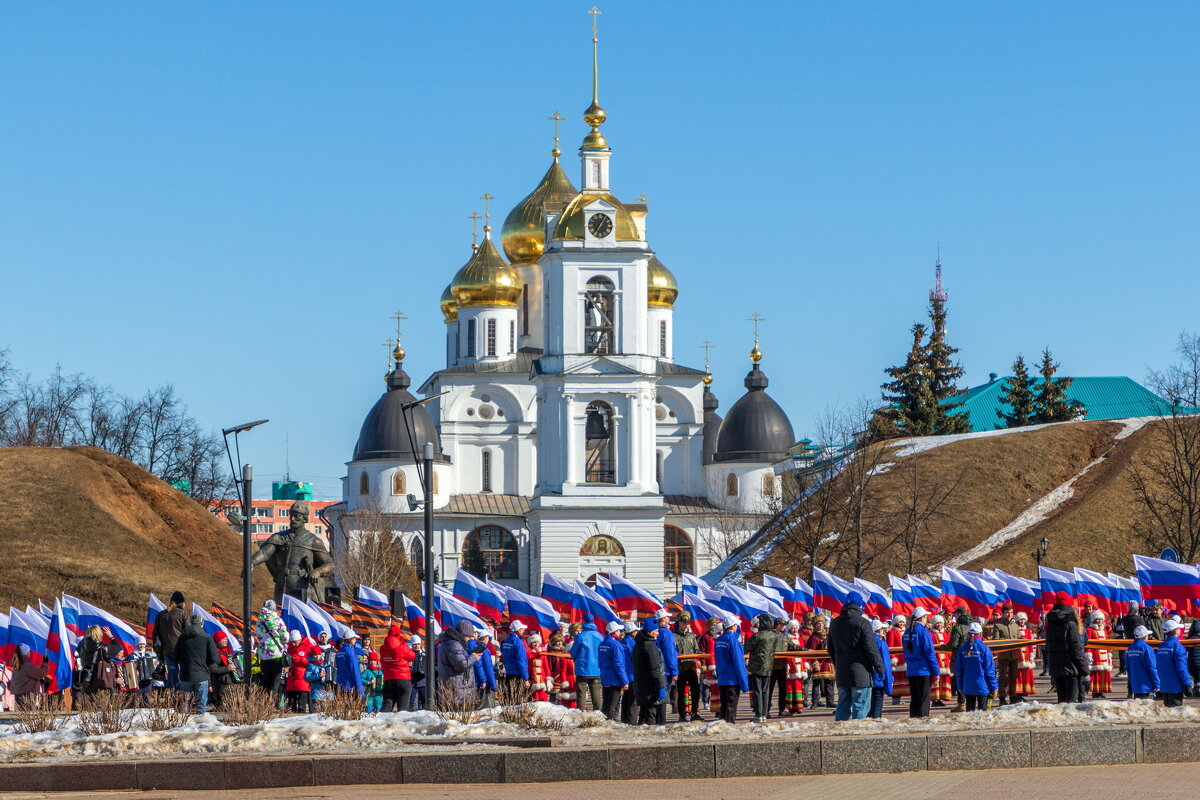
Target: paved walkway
(1059,783)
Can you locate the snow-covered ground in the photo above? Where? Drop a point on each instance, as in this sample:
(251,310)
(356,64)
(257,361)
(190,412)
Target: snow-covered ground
(206,736)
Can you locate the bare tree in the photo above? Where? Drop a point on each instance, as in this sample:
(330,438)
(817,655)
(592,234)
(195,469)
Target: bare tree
(374,553)
(924,501)
(1165,476)
(720,531)
(1180,383)
(859,503)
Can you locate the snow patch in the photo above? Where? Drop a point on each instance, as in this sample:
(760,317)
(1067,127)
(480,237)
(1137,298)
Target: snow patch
(205,736)
(1044,506)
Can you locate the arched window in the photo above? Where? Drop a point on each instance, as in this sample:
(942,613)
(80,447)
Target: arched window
(416,553)
(678,554)
(600,464)
(364,483)
(485,469)
(598,317)
(399,485)
(768,484)
(491,338)
(731,485)
(470,338)
(493,549)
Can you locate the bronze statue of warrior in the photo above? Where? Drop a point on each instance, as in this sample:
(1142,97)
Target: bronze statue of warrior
(297,559)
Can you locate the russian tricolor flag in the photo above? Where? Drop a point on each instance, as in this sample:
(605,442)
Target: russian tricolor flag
(479,595)
(152,610)
(786,592)
(1100,590)
(604,588)
(414,614)
(298,616)
(876,602)
(631,598)
(803,598)
(744,605)
(1021,593)
(5,648)
(1177,584)
(535,612)
(586,601)
(1053,581)
(1130,591)
(449,610)
(211,626)
(372,597)
(961,587)
(560,595)
(902,596)
(925,594)
(774,601)
(830,591)
(86,615)
(60,657)
(701,610)
(31,629)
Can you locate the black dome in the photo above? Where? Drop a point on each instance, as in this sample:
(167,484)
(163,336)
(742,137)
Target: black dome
(712,425)
(385,432)
(755,429)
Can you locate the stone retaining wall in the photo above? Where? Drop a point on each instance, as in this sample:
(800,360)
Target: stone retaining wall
(1046,747)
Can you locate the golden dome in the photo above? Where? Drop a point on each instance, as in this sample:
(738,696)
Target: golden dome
(449,305)
(756,354)
(571,223)
(661,286)
(486,279)
(398,352)
(523,235)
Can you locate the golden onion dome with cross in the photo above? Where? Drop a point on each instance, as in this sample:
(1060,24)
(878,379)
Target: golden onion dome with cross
(486,279)
(523,235)
(449,305)
(662,288)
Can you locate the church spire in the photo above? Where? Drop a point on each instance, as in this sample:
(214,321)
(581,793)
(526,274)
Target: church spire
(595,115)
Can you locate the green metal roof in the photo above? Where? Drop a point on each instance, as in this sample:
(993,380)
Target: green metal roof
(1101,398)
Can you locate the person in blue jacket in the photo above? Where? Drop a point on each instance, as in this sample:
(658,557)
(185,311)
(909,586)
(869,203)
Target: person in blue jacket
(485,673)
(615,673)
(921,661)
(349,664)
(730,660)
(584,652)
(882,686)
(514,654)
(670,654)
(1141,666)
(629,704)
(976,669)
(1173,674)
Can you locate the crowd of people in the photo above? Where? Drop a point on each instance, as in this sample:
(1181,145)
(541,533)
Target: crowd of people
(638,672)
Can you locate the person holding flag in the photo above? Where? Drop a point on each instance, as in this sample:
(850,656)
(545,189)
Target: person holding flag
(167,628)
(27,679)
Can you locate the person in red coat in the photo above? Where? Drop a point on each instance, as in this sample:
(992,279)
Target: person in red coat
(396,659)
(297,688)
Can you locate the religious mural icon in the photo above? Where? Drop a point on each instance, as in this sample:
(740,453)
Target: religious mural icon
(600,225)
(602,546)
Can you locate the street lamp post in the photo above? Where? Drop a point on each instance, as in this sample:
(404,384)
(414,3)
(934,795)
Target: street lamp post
(431,662)
(244,483)
(1040,552)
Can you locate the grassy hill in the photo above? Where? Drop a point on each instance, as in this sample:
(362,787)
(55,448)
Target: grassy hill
(1068,482)
(85,522)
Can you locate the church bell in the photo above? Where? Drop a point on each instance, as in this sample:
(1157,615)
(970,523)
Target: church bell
(597,424)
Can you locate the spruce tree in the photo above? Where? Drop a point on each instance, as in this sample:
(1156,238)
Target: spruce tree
(910,404)
(473,561)
(1051,403)
(943,372)
(1018,394)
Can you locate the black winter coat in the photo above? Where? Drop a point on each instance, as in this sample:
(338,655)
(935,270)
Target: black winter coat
(851,644)
(1065,656)
(195,651)
(1129,622)
(649,673)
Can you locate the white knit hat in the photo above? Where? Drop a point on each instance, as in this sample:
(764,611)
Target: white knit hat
(1023,615)
(24,648)
(937,619)
(293,636)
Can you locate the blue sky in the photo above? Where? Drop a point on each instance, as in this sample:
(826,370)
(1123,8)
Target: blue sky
(197,195)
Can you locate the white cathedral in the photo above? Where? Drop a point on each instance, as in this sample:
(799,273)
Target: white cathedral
(567,438)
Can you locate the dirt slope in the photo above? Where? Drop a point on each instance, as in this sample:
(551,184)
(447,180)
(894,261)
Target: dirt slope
(998,477)
(83,521)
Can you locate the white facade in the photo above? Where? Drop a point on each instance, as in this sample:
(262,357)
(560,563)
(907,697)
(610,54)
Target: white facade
(564,421)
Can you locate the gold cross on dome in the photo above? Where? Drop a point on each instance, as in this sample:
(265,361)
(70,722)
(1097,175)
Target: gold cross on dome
(557,117)
(390,344)
(706,347)
(474,217)
(643,199)
(398,316)
(595,12)
(756,318)
(487,216)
